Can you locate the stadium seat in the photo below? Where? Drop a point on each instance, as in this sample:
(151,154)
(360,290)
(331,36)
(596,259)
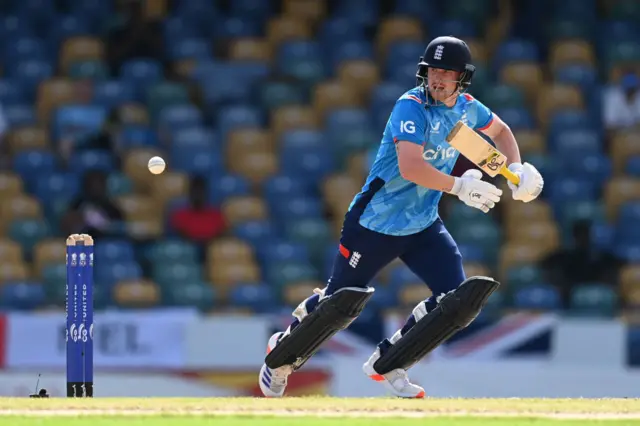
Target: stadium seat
(286,28)
(226,250)
(395,29)
(537,297)
(618,191)
(571,52)
(526,75)
(198,294)
(244,208)
(593,300)
(256,296)
(293,117)
(136,294)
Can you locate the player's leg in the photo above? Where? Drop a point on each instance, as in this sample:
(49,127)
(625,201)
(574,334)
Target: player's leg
(361,255)
(435,258)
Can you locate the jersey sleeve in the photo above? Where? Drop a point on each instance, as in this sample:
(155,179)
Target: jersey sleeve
(484,116)
(408,121)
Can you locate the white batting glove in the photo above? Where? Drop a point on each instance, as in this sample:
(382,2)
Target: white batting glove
(474,192)
(531,182)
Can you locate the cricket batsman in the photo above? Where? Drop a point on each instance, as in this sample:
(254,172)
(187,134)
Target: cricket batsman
(396,216)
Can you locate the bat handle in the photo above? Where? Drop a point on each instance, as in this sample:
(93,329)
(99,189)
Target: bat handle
(511,177)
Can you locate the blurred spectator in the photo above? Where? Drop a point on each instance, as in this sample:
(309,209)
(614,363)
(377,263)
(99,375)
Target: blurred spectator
(580,264)
(93,212)
(198,221)
(133,37)
(622,104)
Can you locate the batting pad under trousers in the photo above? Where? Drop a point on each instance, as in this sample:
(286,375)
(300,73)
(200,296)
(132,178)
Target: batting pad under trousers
(432,255)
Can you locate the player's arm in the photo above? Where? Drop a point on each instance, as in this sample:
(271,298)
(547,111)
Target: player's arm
(501,134)
(408,130)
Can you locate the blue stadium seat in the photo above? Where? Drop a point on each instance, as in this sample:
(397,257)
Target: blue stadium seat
(402,75)
(256,232)
(110,94)
(403,53)
(280,187)
(134,136)
(198,160)
(385,95)
(360,12)
(179,28)
(223,187)
(282,251)
(576,74)
(33,163)
(566,189)
(566,120)
(80,119)
(421,9)
(465,29)
(343,120)
(594,167)
(239,117)
(13,27)
(301,140)
(570,142)
(66,26)
(515,50)
(119,184)
(384,298)
(141,73)
(258,297)
(350,50)
(28,232)
(195,136)
(473,253)
(541,297)
(578,10)
(632,167)
(112,250)
(189,48)
(518,118)
(298,207)
(303,155)
(22,295)
(108,274)
(53,186)
(250,8)
(24,49)
(627,251)
(179,117)
(335,31)
(11,93)
(84,161)
(30,73)
(401,276)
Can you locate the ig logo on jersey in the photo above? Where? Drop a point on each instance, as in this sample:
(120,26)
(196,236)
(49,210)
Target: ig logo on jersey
(407,127)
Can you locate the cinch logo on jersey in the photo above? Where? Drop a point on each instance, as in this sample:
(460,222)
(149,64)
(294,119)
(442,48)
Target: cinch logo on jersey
(439,153)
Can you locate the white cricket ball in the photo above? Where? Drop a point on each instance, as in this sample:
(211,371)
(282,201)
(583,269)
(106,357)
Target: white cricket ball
(156,165)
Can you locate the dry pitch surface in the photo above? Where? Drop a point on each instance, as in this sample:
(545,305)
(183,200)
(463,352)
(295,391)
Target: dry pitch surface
(317,411)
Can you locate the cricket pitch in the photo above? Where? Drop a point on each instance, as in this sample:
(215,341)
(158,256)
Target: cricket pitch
(316,411)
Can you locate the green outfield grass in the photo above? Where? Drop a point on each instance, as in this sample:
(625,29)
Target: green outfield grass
(317,411)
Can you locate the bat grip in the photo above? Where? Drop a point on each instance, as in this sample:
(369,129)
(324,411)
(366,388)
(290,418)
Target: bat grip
(511,177)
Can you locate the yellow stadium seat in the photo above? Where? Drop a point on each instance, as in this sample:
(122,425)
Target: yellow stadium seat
(478,51)
(309,11)
(169,185)
(248,140)
(15,271)
(631,297)
(530,141)
(525,75)
(137,293)
(473,269)
(397,29)
(360,74)
(618,191)
(412,294)
(244,208)
(81,48)
(250,49)
(624,145)
(145,228)
(255,166)
(133,114)
(555,98)
(519,253)
(228,250)
(384,274)
(535,211)
(135,167)
(10,185)
(357,167)
(338,189)
(285,28)
(10,251)
(47,252)
(295,293)
(225,275)
(21,206)
(27,138)
(293,117)
(569,52)
(618,71)
(630,284)
(334,94)
(53,94)
(543,234)
(139,207)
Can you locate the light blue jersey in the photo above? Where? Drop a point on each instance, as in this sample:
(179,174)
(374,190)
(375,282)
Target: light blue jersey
(388,203)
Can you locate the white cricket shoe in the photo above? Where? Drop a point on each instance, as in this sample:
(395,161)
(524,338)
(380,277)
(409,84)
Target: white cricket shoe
(273,382)
(395,381)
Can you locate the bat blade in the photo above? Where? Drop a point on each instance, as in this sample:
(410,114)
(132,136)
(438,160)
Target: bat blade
(480,152)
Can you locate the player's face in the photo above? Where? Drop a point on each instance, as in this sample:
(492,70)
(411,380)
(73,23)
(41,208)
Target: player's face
(443,84)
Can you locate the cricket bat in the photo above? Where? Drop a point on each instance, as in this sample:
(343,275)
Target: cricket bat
(480,152)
